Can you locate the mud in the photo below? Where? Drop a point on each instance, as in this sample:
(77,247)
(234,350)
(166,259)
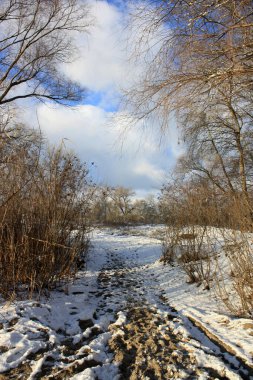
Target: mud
(147,349)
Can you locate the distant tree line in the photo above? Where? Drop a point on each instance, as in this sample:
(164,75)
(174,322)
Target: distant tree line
(118,206)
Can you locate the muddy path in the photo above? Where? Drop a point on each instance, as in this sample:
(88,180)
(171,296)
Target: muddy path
(152,341)
(156,342)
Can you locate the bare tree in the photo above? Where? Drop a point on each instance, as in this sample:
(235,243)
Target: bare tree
(196,47)
(122,202)
(201,71)
(146,210)
(36,38)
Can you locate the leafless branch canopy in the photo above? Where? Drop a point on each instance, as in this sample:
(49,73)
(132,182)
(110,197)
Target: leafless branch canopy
(198,46)
(36,37)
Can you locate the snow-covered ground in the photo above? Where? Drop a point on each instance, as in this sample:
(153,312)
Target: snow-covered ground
(73,334)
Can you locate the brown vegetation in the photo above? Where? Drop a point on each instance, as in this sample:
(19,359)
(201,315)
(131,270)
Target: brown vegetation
(43,214)
(210,236)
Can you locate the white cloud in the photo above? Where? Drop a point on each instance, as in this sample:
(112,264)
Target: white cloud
(154,173)
(104,62)
(134,162)
(101,64)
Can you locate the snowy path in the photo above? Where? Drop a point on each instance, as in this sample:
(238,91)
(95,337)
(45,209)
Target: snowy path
(114,322)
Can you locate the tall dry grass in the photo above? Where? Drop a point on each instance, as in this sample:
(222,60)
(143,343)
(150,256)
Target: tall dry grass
(44,204)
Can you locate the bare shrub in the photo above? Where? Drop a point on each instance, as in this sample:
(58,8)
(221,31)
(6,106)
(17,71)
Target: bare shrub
(237,291)
(235,281)
(170,248)
(43,216)
(188,239)
(196,255)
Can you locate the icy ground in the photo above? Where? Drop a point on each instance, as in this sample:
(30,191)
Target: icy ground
(126,317)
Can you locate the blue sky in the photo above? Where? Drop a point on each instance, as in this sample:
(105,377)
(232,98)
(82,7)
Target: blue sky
(122,156)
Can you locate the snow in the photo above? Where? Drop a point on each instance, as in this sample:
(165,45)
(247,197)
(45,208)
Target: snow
(35,331)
